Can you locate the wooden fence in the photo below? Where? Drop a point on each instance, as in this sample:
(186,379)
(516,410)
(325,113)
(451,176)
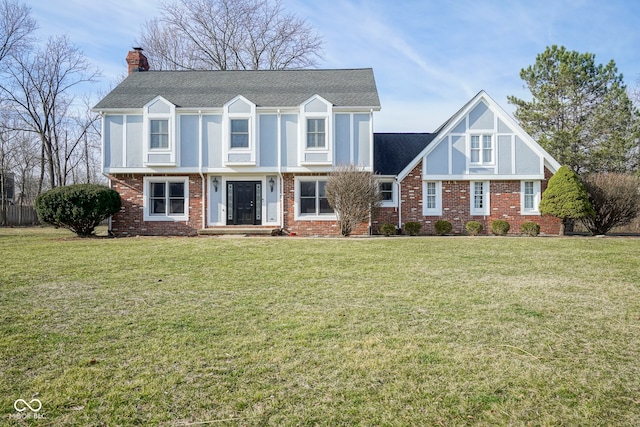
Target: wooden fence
(19,215)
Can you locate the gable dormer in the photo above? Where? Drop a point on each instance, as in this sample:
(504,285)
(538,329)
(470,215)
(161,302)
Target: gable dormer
(239,129)
(159,133)
(316,141)
(482,142)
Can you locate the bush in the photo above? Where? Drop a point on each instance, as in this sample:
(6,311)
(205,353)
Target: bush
(388,229)
(80,207)
(615,198)
(443,227)
(473,228)
(412,228)
(565,197)
(352,192)
(530,229)
(500,227)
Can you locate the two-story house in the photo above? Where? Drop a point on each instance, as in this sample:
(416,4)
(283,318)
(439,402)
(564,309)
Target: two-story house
(249,151)
(480,165)
(204,150)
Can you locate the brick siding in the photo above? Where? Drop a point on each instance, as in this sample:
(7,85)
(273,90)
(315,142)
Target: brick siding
(456,205)
(305,227)
(129,221)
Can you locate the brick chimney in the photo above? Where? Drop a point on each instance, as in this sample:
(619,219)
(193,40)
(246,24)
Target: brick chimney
(137,61)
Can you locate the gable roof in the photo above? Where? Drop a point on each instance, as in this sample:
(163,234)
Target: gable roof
(448,125)
(393,151)
(265,88)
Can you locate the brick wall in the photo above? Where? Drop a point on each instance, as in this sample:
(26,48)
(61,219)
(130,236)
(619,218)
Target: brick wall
(129,221)
(456,205)
(310,228)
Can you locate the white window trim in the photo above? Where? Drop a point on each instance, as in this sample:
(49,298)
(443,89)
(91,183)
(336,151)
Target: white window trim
(296,203)
(394,194)
(437,211)
(328,132)
(147,216)
(172,149)
(481,135)
(226,132)
(486,210)
(536,198)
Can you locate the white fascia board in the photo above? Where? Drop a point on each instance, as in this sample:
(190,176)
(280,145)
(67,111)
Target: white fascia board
(483,177)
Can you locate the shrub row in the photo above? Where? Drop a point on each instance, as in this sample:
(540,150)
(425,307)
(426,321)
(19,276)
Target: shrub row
(499,227)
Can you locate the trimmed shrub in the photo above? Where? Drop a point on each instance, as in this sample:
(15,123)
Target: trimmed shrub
(500,227)
(412,228)
(443,227)
(531,229)
(79,207)
(388,229)
(473,228)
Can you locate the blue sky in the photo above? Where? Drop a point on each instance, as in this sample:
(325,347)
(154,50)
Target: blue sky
(428,57)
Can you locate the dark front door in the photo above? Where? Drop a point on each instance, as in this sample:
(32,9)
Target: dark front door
(244,203)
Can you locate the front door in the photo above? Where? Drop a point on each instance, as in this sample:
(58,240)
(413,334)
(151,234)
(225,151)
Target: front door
(244,205)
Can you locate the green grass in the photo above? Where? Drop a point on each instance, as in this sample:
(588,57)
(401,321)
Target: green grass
(288,331)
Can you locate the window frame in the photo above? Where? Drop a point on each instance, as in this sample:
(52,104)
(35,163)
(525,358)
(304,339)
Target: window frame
(247,119)
(148,198)
(393,202)
(437,209)
(151,134)
(309,132)
(151,113)
(485,210)
(316,216)
(535,210)
(481,150)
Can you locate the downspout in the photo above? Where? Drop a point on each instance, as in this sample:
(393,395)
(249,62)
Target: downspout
(399,204)
(280,177)
(372,165)
(200,170)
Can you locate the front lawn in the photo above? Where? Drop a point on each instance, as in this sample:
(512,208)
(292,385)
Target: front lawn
(290,331)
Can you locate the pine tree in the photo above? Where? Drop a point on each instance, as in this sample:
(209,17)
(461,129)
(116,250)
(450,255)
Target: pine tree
(580,112)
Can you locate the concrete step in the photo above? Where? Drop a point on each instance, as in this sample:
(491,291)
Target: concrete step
(234,230)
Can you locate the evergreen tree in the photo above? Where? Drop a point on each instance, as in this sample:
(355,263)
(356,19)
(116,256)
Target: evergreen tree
(580,112)
(565,197)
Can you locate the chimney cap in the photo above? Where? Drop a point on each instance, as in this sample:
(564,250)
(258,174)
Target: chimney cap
(139,49)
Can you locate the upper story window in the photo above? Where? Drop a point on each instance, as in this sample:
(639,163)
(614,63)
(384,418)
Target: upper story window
(239,133)
(481,149)
(316,134)
(159,134)
(159,127)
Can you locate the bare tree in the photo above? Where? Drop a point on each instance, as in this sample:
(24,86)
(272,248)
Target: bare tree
(353,194)
(229,35)
(16,27)
(615,199)
(38,91)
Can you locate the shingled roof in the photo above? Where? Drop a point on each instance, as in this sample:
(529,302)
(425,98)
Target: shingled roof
(392,152)
(265,88)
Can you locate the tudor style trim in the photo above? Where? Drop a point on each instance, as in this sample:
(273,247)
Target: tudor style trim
(447,128)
